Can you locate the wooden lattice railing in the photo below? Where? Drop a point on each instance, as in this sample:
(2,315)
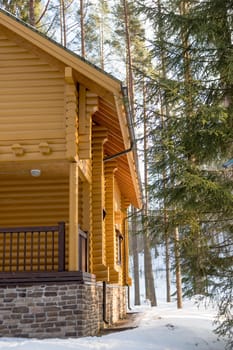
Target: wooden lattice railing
(36,248)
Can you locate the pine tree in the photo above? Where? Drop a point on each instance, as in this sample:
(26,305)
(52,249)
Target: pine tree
(129,27)
(197,139)
(28,11)
(82,29)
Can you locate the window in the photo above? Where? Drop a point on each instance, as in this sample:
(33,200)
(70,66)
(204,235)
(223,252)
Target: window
(119,240)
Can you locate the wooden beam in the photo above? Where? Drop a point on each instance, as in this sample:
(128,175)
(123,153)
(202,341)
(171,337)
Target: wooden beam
(82,109)
(71,115)
(98,256)
(111,246)
(73,218)
(88,104)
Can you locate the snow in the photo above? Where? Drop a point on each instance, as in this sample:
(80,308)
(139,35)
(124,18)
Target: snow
(159,328)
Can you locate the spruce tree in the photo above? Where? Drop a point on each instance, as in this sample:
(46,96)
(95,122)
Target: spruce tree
(197,47)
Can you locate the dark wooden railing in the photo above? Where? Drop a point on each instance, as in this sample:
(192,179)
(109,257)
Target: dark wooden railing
(36,248)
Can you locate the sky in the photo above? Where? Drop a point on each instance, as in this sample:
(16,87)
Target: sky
(158,328)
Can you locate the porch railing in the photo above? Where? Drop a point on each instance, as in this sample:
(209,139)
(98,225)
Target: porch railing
(36,248)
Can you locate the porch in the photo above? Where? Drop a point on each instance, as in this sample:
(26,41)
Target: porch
(38,249)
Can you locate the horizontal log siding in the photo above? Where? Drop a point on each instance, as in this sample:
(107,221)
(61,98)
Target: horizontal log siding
(34,202)
(31,103)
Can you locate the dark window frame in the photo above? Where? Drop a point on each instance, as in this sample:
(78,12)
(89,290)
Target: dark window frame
(83,250)
(119,241)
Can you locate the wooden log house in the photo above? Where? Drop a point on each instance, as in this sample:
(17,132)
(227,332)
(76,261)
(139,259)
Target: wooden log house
(67,176)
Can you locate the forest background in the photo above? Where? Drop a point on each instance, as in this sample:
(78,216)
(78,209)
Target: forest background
(176,59)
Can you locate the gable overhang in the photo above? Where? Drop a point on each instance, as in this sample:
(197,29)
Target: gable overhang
(112,111)
(86,73)
(120,147)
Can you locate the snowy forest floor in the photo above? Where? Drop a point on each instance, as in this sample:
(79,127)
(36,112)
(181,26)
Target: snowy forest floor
(157,328)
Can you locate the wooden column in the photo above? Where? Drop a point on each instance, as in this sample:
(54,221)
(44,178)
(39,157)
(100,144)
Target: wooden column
(98,256)
(111,254)
(71,116)
(125,278)
(88,105)
(73,218)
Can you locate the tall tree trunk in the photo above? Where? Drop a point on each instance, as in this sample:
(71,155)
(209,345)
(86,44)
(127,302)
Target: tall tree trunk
(129,58)
(31,13)
(184,10)
(102,41)
(43,12)
(164,110)
(178,269)
(149,278)
(62,23)
(134,239)
(167,264)
(82,28)
(199,276)
(129,77)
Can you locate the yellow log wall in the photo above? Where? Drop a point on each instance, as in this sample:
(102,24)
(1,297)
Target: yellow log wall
(31,103)
(33,202)
(38,119)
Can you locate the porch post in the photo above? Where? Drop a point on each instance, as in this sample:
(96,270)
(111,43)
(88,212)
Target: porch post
(73,218)
(98,253)
(126,279)
(110,168)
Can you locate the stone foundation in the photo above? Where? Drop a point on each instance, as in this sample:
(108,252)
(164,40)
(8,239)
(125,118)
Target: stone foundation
(116,303)
(61,309)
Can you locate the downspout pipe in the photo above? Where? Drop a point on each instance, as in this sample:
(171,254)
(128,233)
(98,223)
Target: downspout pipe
(119,154)
(128,288)
(105,302)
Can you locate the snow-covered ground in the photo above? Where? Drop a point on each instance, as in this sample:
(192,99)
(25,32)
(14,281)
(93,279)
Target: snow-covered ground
(160,328)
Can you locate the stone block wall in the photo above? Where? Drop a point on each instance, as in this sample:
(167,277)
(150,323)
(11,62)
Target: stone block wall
(58,310)
(116,303)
